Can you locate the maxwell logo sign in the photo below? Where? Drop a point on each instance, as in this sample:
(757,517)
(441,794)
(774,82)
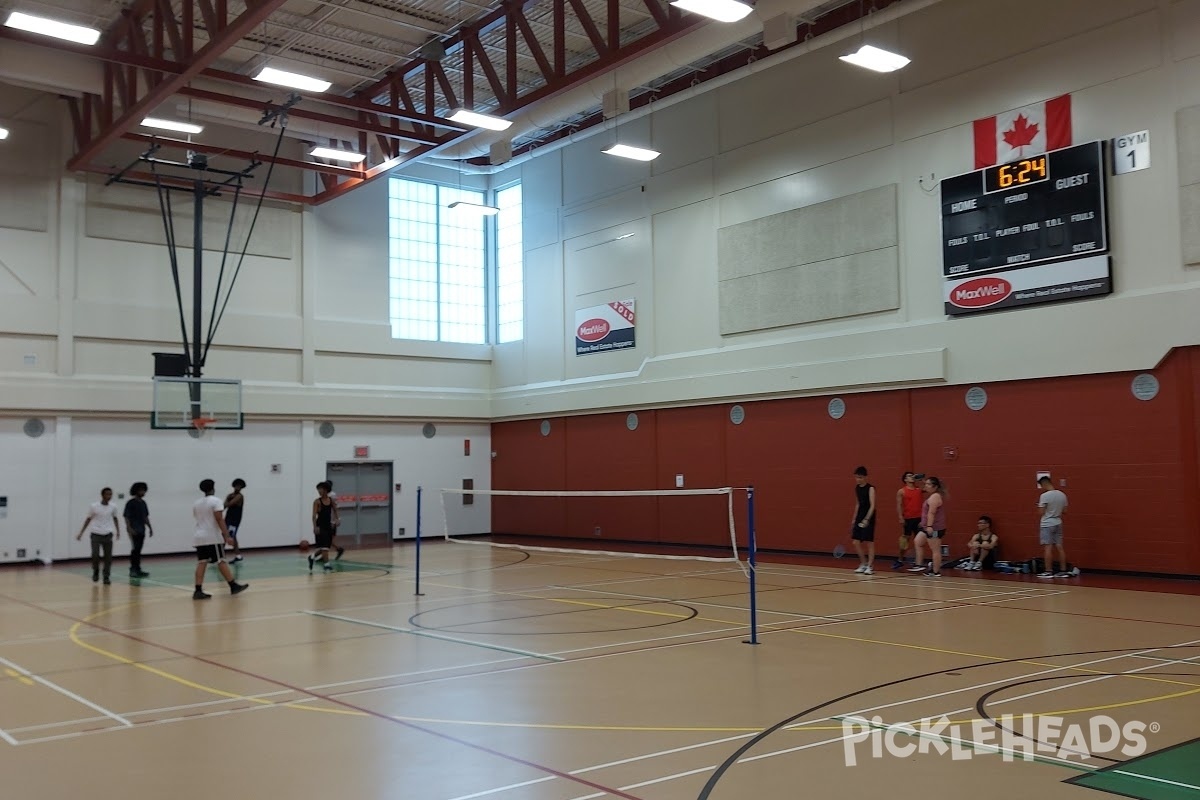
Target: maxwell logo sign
(980,293)
(600,329)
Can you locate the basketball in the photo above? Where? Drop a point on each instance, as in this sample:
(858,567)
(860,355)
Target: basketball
(304,545)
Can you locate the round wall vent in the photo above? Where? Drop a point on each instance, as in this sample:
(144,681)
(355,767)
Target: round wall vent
(326,430)
(34,428)
(429,430)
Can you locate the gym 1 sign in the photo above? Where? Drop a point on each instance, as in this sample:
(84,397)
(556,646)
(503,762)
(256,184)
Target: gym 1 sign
(601,329)
(1131,152)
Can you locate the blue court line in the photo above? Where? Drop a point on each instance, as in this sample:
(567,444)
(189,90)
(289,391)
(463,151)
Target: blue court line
(437,636)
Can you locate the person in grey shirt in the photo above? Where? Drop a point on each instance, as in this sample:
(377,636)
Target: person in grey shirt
(1052,504)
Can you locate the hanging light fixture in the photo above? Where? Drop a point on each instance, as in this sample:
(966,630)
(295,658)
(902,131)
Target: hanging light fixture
(876,59)
(720,10)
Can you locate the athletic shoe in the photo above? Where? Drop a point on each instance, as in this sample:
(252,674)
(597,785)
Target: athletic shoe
(1064,575)
(328,567)
(95,577)
(236,559)
(897,564)
(1045,574)
(238,588)
(200,595)
(340,550)
(310,563)
(932,574)
(861,568)
(868,571)
(916,568)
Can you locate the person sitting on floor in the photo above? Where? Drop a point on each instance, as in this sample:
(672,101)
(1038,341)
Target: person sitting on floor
(983,546)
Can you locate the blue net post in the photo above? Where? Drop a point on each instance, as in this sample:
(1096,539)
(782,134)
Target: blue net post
(752,560)
(417,591)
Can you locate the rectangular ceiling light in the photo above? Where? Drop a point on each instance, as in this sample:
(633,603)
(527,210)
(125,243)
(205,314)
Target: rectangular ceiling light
(336,155)
(877,59)
(3,133)
(51,27)
(172,125)
(292,80)
(479,120)
(720,10)
(636,153)
(473,208)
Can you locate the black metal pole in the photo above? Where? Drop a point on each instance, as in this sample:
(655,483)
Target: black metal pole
(198,192)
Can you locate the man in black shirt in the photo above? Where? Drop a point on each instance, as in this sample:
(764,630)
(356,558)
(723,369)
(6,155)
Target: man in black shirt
(233,515)
(137,523)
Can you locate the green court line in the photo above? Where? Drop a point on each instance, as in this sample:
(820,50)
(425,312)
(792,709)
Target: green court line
(438,636)
(1169,774)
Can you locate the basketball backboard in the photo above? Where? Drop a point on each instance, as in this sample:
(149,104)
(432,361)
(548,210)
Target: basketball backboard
(196,403)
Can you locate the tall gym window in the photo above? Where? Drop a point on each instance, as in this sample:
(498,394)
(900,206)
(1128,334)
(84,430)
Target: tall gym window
(510,273)
(438,263)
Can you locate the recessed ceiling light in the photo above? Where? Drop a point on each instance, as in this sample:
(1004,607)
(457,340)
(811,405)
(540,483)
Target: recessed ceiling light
(479,120)
(876,59)
(336,155)
(52,27)
(3,133)
(636,153)
(172,125)
(720,10)
(293,80)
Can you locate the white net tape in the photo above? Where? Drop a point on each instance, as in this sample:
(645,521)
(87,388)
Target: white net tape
(726,490)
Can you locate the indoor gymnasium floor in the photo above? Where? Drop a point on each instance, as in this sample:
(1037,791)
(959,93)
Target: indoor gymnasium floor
(560,676)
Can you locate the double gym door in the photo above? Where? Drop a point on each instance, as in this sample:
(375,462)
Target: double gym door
(364,496)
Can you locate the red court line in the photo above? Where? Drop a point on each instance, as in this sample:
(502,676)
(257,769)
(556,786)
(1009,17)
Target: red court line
(330,699)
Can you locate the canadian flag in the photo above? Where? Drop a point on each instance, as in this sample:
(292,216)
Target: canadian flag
(1023,132)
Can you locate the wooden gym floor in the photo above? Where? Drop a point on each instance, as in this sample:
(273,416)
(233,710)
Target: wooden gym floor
(555,676)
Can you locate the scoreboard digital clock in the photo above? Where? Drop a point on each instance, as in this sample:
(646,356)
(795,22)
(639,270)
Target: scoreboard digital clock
(1049,207)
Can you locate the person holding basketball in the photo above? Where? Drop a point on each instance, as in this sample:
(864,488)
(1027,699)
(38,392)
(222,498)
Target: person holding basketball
(863,524)
(908,510)
(933,527)
(325,522)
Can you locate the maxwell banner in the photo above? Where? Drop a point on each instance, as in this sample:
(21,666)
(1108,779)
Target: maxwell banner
(600,329)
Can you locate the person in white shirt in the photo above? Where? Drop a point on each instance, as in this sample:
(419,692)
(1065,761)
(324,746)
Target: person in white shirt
(102,523)
(1052,504)
(210,539)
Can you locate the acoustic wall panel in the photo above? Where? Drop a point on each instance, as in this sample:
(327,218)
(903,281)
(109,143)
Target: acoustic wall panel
(833,259)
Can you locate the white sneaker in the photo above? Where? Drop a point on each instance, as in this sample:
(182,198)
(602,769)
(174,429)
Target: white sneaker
(861,568)
(916,568)
(868,571)
(1045,574)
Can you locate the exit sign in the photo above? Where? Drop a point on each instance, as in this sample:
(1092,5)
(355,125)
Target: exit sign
(362,451)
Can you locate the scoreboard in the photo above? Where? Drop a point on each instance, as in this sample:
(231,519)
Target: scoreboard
(1013,222)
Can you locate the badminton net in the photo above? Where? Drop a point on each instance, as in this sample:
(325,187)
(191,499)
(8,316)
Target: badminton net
(703,517)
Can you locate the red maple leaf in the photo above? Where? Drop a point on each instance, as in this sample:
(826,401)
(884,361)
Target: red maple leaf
(1022,132)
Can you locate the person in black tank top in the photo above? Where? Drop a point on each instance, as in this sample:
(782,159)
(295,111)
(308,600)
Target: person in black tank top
(325,522)
(234,502)
(862,528)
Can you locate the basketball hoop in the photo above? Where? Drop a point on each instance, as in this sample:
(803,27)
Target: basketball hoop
(200,425)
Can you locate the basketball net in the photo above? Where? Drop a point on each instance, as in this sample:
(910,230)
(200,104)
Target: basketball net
(200,425)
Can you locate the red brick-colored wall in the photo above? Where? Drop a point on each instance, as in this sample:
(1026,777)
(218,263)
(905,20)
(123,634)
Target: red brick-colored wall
(1131,467)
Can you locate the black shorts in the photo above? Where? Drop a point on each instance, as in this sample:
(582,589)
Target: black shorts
(935,534)
(324,539)
(212,553)
(912,526)
(866,534)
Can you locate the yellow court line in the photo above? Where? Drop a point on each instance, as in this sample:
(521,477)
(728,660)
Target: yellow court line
(12,673)
(170,676)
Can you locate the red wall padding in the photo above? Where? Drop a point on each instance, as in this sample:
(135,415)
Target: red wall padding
(1131,467)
